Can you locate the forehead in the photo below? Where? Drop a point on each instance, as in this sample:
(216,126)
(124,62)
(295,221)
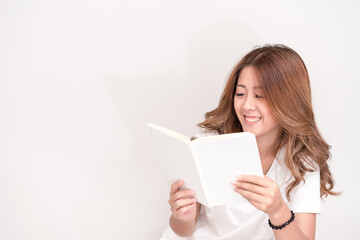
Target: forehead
(249,78)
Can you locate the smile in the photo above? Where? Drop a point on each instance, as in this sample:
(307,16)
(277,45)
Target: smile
(251,119)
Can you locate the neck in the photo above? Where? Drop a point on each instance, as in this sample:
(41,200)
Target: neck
(266,152)
(265,149)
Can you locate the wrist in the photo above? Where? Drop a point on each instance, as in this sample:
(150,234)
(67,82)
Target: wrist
(280,216)
(182,220)
(182,227)
(279,227)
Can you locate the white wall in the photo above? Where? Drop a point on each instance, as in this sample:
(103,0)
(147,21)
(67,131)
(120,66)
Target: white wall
(79,79)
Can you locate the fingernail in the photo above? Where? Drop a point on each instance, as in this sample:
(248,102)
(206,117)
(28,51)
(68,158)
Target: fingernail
(240,177)
(232,182)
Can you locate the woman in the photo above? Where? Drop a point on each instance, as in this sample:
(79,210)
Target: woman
(267,93)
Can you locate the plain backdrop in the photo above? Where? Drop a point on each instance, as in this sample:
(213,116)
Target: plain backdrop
(80,79)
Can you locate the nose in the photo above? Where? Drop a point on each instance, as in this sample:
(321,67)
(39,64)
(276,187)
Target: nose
(249,103)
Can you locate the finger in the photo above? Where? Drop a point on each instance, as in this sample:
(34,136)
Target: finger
(261,181)
(186,208)
(250,196)
(251,187)
(176,185)
(182,203)
(183,194)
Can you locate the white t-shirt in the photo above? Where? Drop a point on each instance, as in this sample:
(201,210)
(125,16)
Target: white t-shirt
(244,221)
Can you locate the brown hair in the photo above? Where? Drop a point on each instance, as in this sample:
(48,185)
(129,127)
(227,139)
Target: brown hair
(285,80)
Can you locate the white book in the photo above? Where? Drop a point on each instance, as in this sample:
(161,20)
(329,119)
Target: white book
(207,164)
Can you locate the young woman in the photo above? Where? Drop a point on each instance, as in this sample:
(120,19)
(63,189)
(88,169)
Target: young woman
(267,93)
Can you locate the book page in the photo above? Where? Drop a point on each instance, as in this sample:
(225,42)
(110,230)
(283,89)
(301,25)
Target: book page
(222,160)
(175,159)
(221,136)
(171,133)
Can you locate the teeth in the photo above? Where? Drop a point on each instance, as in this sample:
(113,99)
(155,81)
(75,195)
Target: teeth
(252,119)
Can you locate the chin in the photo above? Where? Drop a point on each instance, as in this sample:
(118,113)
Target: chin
(250,131)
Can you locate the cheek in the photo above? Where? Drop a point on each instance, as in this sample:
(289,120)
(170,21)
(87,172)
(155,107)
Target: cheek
(237,106)
(267,114)
(270,119)
(238,111)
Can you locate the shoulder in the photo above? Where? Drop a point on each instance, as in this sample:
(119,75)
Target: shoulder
(308,163)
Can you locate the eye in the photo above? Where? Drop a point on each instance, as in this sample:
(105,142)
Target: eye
(239,94)
(258,96)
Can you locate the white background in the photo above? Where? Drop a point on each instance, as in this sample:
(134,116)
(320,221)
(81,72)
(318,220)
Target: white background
(79,80)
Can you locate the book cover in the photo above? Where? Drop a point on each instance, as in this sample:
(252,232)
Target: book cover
(207,164)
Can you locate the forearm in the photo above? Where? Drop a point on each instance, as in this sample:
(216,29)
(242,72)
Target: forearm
(292,230)
(182,228)
(264,194)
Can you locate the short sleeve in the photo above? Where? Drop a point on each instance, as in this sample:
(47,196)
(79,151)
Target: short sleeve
(305,198)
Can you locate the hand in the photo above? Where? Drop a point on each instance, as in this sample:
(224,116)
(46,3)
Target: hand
(182,203)
(262,192)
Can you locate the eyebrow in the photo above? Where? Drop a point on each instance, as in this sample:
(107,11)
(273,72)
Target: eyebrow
(256,87)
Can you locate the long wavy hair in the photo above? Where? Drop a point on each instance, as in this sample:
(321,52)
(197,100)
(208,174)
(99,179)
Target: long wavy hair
(285,80)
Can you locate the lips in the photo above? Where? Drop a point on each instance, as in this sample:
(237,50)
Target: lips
(251,119)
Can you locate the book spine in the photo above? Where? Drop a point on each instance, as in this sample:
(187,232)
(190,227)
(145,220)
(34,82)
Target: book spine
(200,175)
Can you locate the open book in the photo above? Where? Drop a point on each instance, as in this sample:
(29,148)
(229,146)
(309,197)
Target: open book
(208,164)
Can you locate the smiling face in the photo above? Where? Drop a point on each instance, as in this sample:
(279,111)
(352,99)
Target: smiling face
(252,109)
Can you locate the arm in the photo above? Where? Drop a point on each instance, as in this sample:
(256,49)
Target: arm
(185,210)
(303,227)
(264,194)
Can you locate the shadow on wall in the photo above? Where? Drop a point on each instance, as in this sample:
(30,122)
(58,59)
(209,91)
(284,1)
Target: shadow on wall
(177,100)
